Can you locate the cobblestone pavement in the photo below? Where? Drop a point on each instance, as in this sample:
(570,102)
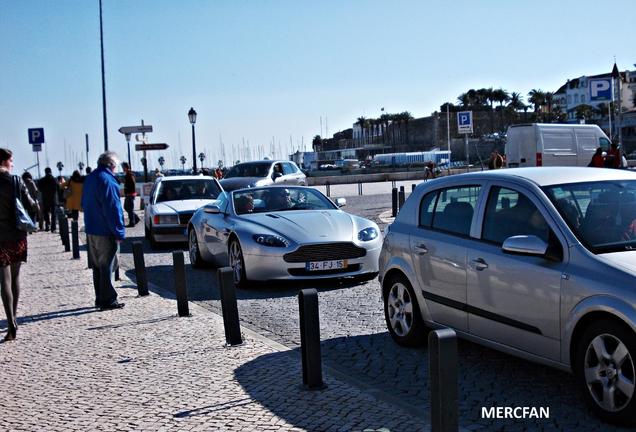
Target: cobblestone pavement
(73,368)
(355,342)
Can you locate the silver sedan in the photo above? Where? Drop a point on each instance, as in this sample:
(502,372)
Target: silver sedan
(536,262)
(283,233)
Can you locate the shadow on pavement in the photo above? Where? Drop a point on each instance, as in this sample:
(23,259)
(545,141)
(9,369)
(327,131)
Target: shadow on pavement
(202,284)
(51,315)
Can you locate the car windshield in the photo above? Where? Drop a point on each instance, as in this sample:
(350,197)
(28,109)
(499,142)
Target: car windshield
(601,214)
(280,199)
(172,190)
(255,169)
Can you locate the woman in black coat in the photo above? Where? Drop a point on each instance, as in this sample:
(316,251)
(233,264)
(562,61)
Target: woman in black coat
(13,242)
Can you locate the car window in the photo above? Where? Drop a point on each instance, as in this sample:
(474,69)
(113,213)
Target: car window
(288,168)
(510,213)
(255,169)
(602,215)
(455,208)
(427,206)
(187,189)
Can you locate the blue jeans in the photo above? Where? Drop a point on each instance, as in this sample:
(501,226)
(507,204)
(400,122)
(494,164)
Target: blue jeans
(103,252)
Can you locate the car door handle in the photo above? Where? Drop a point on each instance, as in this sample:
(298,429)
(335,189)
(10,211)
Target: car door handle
(421,249)
(479,264)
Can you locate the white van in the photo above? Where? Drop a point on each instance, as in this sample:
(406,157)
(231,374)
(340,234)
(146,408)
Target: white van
(539,144)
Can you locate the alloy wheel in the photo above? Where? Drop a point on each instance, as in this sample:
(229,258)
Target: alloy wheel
(609,372)
(400,309)
(236,262)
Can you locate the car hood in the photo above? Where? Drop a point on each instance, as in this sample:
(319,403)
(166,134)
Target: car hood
(230,184)
(179,206)
(624,260)
(307,225)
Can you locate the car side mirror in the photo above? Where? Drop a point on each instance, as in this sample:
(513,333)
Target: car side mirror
(212,209)
(276,175)
(525,245)
(341,202)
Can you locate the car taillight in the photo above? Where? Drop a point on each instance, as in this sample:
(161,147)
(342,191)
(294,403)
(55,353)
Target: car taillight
(539,159)
(155,220)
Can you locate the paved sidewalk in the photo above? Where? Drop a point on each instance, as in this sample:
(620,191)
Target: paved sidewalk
(73,368)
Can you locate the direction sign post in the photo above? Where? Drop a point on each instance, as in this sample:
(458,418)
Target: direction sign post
(135,129)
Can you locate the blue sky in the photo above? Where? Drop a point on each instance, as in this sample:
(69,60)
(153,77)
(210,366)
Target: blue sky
(263,71)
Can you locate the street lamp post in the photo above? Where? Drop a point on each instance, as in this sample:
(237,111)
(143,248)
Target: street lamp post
(192,116)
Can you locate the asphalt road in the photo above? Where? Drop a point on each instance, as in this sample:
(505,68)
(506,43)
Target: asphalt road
(355,341)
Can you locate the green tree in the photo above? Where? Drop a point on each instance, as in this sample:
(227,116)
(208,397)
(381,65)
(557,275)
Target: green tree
(316,143)
(536,98)
(584,112)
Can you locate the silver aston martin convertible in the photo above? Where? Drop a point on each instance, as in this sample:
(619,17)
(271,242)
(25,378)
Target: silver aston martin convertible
(280,232)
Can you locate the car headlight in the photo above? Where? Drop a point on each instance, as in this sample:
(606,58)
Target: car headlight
(270,240)
(166,220)
(368,234)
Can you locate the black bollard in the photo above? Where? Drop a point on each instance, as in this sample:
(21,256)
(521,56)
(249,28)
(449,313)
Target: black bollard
(359,188)
(328,189)
(310,339)
(401,198)
(231,323)
(75,239)
(64,228)
(442,348)
(140,268)
(180,287)
(412,187)
(394,202)
(60,218)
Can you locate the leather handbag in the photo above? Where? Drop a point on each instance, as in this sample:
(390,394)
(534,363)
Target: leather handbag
(22,219)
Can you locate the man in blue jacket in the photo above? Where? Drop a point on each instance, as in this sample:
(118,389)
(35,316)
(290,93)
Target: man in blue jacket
(104,225)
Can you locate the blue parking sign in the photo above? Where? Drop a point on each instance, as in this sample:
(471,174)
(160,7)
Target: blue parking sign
(36,136)
(465,122)
(600,89)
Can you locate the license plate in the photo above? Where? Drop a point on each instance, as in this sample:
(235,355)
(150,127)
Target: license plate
(326,265)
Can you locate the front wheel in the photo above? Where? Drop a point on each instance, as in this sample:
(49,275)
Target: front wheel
(605,369)
(402,313)
(237,263)
(193,250)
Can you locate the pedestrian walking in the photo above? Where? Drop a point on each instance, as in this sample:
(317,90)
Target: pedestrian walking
(104,225)
(13,242)
(48,188)
(73,194)
(130,193)
(613,158)
(27,178)
(496,161)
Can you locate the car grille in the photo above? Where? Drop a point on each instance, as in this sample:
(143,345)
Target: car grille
(325,252)
(303,272)
(184,218)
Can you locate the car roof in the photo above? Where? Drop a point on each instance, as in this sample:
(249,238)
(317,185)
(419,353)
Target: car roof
(184,177)
(547,176)
(263,161)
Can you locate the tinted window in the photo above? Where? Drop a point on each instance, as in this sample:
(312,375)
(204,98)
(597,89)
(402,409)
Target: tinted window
(510,213)
(427,206)
(187,189)
(455,208)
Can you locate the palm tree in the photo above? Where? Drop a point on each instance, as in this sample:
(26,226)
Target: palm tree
(183,162)
(161,161)
(584,112)
(516,101)
(500,95)
(464,100)
(201,158)
(60,167)
(536,98)
(385,118)
(362,121)
(316,143)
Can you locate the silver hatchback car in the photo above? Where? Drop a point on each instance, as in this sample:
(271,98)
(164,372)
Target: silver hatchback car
(536,262)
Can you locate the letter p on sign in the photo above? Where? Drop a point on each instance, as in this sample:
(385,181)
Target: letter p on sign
(36,136)
(600,89)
